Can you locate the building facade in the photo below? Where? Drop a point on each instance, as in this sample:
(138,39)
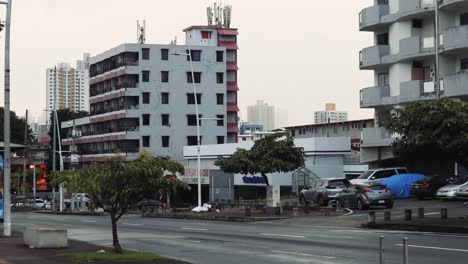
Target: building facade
(330,115)
(403,59)
(263,114)
(68,87)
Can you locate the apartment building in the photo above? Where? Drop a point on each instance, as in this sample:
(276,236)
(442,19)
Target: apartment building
(262,114)
(330,115)
(68,87)
(403,59)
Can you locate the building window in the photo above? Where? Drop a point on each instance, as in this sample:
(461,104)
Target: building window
(464,64)
(146,98)
(464,19)
(145,76)
(383,79)
(219,56)
(164,76)
(197,76)
(145,54)
(220,120)
(220,99)
(219,77)
(196,55)
(191,98)
(417,23)
(192,120)
(192,140)
(382,39)
(164,98)
(146,119)
(165,54)
(220,139)
(206,34)
(146,141)
(165,141)
(165,119)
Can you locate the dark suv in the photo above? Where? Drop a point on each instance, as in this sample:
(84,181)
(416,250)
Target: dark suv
(428,186)
(321,191)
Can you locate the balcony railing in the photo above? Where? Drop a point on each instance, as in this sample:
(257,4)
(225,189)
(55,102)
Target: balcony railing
(372,97)
(372,16)
(372,56)
(455,85)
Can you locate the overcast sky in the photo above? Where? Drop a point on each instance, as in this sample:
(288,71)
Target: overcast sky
(296,55)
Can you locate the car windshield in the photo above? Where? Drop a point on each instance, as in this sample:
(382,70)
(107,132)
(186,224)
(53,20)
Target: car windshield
(365,175)
(459,181)
(338,183)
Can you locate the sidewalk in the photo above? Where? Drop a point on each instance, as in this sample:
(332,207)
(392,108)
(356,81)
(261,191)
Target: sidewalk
(450,225)
(13,251)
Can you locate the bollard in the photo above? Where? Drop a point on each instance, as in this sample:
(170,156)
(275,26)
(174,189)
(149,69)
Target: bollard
(421,213)
(408,215)
(443,213)
(405,250)
(371,219)
(295,211)
(387,216)
(381,251)
(327,211)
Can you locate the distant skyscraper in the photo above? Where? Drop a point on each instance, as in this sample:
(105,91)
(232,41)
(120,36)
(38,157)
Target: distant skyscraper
(67,87)
(262,114)
(281,118)
(330,115)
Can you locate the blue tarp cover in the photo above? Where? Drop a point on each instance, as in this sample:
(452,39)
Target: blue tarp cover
(400,184)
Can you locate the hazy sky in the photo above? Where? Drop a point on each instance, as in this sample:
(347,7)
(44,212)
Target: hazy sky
(296,55)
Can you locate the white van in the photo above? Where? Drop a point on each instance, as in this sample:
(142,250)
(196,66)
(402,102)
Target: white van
(377,175)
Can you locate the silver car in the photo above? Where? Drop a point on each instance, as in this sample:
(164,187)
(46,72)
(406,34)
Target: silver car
(365,196)
(322,191)
(449,192)
(462,193)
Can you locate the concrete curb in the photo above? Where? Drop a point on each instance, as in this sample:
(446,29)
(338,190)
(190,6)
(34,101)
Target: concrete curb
(214,217)
(419,227)
(72,213)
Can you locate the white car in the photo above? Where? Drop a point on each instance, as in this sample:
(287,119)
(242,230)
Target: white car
(449,192)
(377,175)
(37,204)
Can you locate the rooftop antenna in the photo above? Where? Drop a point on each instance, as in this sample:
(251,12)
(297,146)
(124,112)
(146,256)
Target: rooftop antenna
(209,13)
(141,32)
(219,15)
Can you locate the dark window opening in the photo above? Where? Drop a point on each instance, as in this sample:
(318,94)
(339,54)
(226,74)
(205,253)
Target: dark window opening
(146,119)
(196,55)
(146,98)
(220,99)
(192,120)
(165,54)
(464,19)
(145,54)
(164,98)
(164,76)
(383,79)
(220,120)
(219,77)
(145,76)
(146,141)
(192,140)
(165,141)
(196,75)
(219,56)
(191,98)
(417,23)
(165,119)
(464,64)
(220,139)
(382,39)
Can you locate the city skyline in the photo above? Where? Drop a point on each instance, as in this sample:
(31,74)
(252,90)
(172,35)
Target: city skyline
(298,89)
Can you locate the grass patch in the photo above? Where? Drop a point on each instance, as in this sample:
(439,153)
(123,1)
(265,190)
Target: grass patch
(127,256)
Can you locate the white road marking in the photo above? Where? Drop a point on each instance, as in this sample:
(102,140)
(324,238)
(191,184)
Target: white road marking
(89,221)
(302,254)
(193,228)
(131,224)
(281,235)
(432,213)
(438,248)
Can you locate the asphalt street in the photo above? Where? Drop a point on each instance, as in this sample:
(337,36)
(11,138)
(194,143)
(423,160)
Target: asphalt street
(301,240)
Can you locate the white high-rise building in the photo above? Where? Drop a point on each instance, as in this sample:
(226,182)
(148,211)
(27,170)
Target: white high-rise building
(281,118)
(262,114)
(68,87)
(330,115)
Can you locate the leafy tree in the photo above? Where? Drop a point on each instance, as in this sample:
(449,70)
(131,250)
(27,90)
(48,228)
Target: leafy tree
(433,132)
(117,185)
(62,116)
(274,153)
(17,128)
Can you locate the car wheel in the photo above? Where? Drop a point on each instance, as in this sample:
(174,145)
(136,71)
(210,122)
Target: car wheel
(321,201)
(338,204)
(361,205)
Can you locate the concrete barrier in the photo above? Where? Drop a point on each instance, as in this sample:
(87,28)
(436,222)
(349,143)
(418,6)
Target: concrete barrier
(387,215)
(421,213)
(408,214)
(45,237)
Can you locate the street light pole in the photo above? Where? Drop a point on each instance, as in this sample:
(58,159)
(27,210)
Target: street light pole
(437,44)
(6,127)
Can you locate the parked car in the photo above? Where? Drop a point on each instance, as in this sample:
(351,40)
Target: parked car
(322,191)
(365,196)
(35,203)
(449,192)
(427,186)
(462,193)
(150,204)
(400,185)
(377,175)
(78,198)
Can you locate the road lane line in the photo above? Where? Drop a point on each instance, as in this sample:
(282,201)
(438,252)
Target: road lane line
(438,248)
(131,224)
(89,221)
(193,228)
(281,235)
(432,213)
(302,254)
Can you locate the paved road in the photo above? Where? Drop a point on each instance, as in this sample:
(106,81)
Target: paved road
(304,240)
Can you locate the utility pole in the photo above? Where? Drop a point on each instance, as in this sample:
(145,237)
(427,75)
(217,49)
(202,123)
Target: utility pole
(6,127)
(54,137)
(437,43)
(25,151)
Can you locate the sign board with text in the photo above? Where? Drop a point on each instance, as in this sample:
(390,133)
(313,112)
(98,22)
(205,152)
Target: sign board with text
(190,176)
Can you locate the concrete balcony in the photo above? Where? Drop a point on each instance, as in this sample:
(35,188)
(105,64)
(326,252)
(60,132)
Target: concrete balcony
(455,39)
(376,137)
(415,48)
(453,5)
(455,85)
(372,97)
(371,57)
(370,18)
